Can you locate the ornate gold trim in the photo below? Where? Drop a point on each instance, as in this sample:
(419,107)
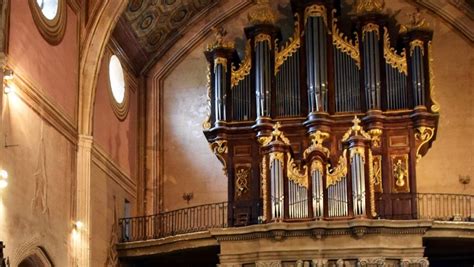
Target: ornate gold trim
(52,30)
(219,148)
(357,151)
(377,173)
(262,13)
(263,177)
(423,134)
(400,173)
(371,27)
(293,44)
(220,42)
(356,129)
(276,135)
(206,124)
(334,176)
(391,57)
(316,11)
(369,6)
(435,107)
(316,165)
(375,137)
(344,44)
(222,61)
(372,184)
(280,156)
(263,37)
(317,139)
(293,173)
(241,181)
(245,66)
(417,43)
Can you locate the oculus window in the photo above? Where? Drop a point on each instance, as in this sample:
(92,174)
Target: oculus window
(49,8)
(50,18)
(118,88)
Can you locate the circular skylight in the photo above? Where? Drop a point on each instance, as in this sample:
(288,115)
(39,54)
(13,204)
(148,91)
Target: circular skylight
(117,82)
(49,8)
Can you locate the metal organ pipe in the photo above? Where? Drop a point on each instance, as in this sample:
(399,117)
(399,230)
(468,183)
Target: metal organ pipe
(220,88)
(316,45)
(372,80)
(418,76)
(358,183)
(277,197)
(317,189)
(263,78)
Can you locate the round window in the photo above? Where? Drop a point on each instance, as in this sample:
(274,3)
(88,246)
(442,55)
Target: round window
(117,82)
(49,8)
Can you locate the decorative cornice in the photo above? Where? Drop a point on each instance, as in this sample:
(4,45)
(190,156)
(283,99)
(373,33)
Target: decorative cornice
(105,163)
(37,100)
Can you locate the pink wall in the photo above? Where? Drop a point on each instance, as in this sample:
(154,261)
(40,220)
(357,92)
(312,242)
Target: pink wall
(55,69)
(117,138)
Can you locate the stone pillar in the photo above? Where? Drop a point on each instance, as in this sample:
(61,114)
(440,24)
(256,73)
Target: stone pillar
(81,246)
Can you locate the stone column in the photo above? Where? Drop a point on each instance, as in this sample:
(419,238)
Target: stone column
(81,246)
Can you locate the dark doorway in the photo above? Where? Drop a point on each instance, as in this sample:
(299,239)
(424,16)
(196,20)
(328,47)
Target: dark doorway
(199,257)
(452,252)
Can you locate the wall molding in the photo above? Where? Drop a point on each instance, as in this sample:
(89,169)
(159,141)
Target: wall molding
(38,101)
(106,164)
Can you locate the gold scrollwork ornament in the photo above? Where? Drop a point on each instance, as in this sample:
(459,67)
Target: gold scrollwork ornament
(316,11)
(206,125)
(241,183)
(435,107)
(290,47)
(424,135)
(344,44)
(244,68)
(391,57)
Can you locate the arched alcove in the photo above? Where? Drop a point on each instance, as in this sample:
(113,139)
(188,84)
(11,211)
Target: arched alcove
(37,258)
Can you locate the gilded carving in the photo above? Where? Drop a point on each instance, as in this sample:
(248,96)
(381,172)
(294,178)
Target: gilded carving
(244,67)
(424,135)
(279,156)
(317,139)
(262,14)
(369,6)
(400,173)
(276,135)
(417,22)
(370,27)
(344,45)
(357,151)
(377,173)
(435,107)
(417,43)
(372,184)
(220,42)
(219,148)
(264,191)
(262,37)
(220,61)
(316,11)
(391,57)
(241,181)
(375,137)
(206,125)
(316,165)
(294,174)
(335,175)
(290,47)
(356,129)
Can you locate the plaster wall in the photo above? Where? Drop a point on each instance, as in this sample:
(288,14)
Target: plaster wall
(117,138)
(52,69)
(188,164)
(36,207)
(107,196)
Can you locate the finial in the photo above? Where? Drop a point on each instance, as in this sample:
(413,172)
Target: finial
(417,22)
(363,7)
(262,13)
(356,124)
(220,42)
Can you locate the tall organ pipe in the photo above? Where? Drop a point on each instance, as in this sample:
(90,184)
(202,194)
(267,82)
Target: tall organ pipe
(371,66)
(316,63)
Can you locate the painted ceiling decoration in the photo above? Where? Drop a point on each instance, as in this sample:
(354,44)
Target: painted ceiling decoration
(149,28)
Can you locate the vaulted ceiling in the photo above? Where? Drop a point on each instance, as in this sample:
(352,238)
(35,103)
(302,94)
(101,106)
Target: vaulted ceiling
(150,27)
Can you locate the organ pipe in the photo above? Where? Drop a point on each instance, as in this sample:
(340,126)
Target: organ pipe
(371,66)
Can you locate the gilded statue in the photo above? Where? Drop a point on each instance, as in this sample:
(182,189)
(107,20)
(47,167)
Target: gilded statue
(399,173)
(369,6)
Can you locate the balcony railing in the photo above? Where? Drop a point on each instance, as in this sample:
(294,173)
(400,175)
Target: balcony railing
(187,220)
(435,206)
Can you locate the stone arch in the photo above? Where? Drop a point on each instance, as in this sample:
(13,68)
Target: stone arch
(98,34)
(36,258)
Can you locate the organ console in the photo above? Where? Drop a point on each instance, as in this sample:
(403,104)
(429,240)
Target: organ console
(327,125)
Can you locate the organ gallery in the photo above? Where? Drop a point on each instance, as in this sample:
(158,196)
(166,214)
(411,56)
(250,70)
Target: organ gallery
(328,124)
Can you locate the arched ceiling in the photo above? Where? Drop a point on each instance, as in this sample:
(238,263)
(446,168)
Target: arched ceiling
(148,28)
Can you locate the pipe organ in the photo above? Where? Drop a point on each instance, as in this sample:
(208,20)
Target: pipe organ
(328,124)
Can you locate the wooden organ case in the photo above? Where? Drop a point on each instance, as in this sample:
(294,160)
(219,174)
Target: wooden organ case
(327,125)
